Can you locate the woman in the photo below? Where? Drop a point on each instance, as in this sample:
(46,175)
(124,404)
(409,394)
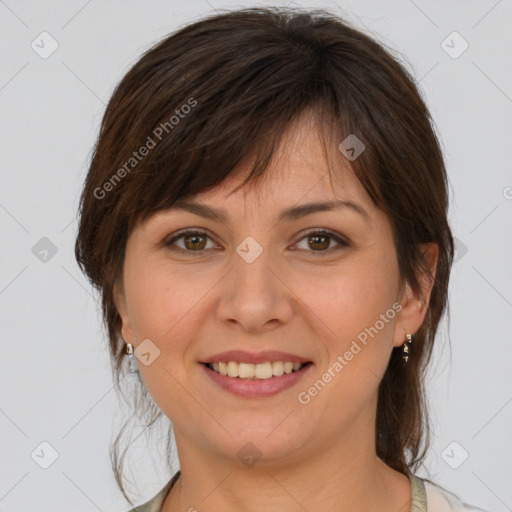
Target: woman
(265,216)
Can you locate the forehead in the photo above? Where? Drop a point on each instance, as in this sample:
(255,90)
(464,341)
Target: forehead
(302,170)
(306,171)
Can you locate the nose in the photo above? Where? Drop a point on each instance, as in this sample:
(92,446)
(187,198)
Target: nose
(254,297)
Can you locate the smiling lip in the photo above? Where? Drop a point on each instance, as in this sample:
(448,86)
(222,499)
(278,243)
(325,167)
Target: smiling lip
(256,388)
(241,356)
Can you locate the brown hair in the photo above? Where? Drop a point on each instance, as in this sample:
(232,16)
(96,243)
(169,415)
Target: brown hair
(228,86)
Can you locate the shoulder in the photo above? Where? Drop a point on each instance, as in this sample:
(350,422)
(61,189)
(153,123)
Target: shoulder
(155,504)
(442,500)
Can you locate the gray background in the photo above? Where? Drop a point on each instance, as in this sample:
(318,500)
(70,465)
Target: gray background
(55,378)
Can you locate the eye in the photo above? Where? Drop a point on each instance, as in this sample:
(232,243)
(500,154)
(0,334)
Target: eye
(318,241)
(195,241)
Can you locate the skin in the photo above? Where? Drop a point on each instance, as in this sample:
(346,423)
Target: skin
(319,456)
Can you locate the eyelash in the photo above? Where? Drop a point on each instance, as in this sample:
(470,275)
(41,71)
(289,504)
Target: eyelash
(192,232)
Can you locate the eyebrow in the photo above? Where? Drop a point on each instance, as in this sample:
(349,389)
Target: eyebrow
(288,214)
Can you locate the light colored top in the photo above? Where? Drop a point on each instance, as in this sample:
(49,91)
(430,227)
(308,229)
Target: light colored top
(442,500)
(426,497)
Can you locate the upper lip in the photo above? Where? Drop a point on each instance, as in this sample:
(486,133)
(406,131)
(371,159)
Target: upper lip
(242,356)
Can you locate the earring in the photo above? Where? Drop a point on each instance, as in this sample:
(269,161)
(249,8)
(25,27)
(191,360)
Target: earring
(130,361)
(405,349)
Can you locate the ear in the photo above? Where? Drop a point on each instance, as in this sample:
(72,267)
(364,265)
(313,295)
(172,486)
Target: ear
(415,306)
(120,302)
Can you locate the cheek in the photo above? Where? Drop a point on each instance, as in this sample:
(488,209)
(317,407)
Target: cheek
(355,309)
(352,297)
(157,297)
(161,308)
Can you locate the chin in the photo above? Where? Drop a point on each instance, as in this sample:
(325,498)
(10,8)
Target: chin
(265,443)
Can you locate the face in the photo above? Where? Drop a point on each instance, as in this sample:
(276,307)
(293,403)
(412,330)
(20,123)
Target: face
(321,287)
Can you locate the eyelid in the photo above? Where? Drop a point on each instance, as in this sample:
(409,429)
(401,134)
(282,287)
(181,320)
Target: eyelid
(333,234)
(341,240)
(168,242)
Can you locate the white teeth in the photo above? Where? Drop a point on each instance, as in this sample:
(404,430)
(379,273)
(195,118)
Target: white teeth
(258,371)
(245,370)
(223,368)
(277,368)
(263,370)
(232,369)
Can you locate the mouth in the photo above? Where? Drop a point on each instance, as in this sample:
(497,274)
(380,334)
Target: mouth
(260,371)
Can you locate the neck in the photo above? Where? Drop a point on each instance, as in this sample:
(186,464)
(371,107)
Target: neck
(331,480)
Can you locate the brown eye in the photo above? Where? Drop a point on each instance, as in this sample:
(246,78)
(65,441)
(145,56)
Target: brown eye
(320,242)
(193,241)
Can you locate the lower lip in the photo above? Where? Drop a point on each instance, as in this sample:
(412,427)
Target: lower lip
(256,388)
